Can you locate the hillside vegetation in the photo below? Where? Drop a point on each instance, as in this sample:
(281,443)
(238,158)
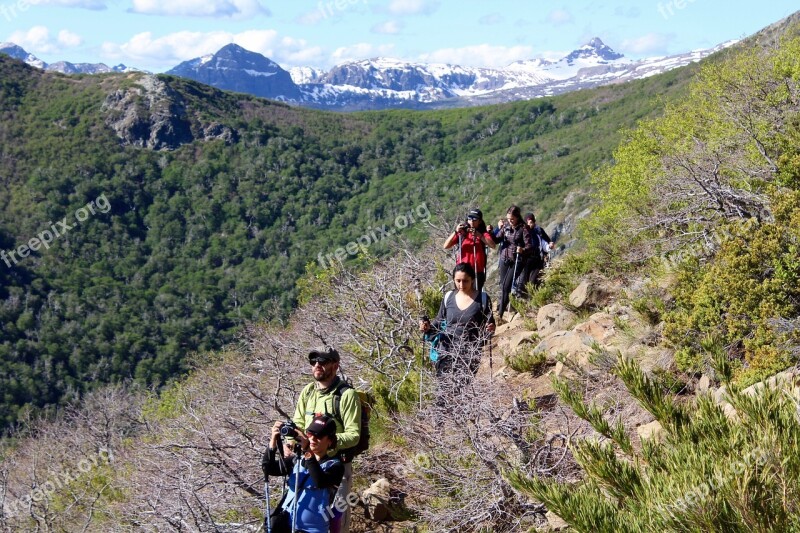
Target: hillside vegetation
(188,211)
(706,201)
(694,220)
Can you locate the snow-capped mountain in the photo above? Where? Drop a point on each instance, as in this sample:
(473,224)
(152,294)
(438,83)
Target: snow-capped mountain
(380,83)
(64,67)
(11,49)
(235,69)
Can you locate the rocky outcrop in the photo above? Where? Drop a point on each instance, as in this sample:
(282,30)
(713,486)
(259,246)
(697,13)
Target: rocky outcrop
(552,318)
(152,115)
(593,293)
(382,502)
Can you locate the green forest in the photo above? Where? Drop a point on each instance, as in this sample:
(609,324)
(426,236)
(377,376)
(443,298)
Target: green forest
(203,236)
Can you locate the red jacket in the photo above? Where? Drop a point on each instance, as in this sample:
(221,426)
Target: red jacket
(473,251)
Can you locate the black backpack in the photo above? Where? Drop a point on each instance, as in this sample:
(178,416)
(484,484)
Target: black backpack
(348,454)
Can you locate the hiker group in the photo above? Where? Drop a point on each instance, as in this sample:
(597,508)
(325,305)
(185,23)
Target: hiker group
(465,320)
(313,451)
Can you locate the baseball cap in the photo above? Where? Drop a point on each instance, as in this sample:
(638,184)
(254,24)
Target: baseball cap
(322,426)
(475,213)
(323,353)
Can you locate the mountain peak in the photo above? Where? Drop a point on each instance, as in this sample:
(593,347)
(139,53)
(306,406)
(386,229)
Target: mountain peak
(596,50)
(17,52)
(237,69)
(597,43)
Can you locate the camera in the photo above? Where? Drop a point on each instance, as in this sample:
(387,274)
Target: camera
(462,227)
(288,429)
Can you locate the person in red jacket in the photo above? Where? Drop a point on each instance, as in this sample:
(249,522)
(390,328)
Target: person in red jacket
(472,237)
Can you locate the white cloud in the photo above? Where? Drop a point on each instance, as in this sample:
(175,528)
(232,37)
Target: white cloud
(559,17)
(483,55)
(413,7)
(146,51)
(390,27)
(652,43)
(37,40)
(96,5)
(360,51)
(68,39)
(200,8)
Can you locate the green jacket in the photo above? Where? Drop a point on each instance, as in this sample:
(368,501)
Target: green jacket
(314,401)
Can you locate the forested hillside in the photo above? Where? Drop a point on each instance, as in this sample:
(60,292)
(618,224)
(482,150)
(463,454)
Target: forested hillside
(186,211)
(625,408)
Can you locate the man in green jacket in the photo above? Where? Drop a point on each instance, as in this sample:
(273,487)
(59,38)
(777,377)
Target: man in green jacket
(318,398)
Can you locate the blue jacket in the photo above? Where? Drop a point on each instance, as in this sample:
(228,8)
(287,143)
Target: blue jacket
(318,484)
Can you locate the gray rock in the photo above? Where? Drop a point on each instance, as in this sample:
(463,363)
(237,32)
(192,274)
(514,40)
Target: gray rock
(552,318)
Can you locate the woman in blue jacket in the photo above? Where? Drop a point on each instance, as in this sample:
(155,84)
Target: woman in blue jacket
(315,475)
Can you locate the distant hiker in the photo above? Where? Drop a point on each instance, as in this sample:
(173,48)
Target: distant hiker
(314,477)
(318,398)
(472,237)
(515,245)
(542,244)
(462,323)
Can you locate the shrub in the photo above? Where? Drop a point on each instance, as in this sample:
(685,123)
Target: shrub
(710,472)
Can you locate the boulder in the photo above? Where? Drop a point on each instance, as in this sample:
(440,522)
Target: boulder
(511,326)
(574,345)
(653,430)
(555,522)
(593,292)
(382,502)
(703,385)
(521,337)
(600,327)
(552,318)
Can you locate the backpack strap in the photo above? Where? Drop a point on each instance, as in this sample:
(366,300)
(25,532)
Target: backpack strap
(337,398)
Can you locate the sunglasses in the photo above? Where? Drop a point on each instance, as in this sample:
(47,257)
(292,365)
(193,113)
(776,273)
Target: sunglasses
(473,218)
(319,360)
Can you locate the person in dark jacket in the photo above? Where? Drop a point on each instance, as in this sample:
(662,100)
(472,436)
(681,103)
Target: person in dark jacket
(313,472)
(534,264)
(515,245)
(463,321)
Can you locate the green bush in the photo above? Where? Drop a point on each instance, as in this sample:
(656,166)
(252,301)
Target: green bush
(753,279)
(708,473)
(528,361)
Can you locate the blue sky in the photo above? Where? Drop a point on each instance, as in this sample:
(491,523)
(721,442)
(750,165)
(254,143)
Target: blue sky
(158,34)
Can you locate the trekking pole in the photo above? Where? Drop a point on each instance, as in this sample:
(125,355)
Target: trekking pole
(475,240)
(491,371)
(418,294)
(514,279)
(296,488)
(266,500)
